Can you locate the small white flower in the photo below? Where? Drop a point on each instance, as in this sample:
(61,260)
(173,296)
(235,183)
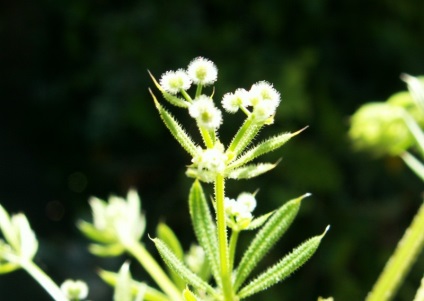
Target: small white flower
(211,159)
(263,110)
(202,71)
(175,81)
(206,114)
(230,206)
(231,102)
(247,200)
(74,289)
(267,92)
(195,258)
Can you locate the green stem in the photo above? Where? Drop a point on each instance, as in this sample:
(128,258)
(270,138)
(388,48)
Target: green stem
(222,238)
(206,137)
(155,271)
(401,261)
(198,90)
(233,244)
(186,96)
(43,279)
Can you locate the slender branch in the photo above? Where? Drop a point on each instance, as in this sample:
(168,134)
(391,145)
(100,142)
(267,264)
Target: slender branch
(155,271)
(233,244)
(401,261)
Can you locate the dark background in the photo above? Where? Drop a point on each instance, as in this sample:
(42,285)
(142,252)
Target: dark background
(77,121)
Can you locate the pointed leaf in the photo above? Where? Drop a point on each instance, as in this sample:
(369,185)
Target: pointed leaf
(243,137)
(175,128)
(168,236)
(284,268)
(414,164)
(94,234)
(188,295)
(110,250)
(415,130)
(250,171)
(263,148)
(123,284)
(7,229)
(204,227)
(151,294)
(178,266)
(259,221)
(267,236)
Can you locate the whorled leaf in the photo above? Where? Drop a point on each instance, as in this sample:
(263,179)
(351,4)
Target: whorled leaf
(250,171)
(168,236)
(259,221)
(95,234)
(109,250)
(262,148)
(204,227)
(243,137)
(189,295)
(267,236)
(281,270)
(150,294)
(175,128)
(178,266)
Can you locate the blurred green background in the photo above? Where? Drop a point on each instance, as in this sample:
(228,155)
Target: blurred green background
(77,120)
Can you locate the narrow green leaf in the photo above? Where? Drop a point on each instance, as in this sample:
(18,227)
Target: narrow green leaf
(188,295)
(178,266)
(7,229)
(204,227)
(94,234)
(243,137)
(172,99)
(151,294)
(284,268)
(175,128)
(267,236)
(168,236)
(123,284)
(8,267)
(414,164)
(419,296)
(415,130)
(250,171)
(259,221)
(264,147)
(109,250)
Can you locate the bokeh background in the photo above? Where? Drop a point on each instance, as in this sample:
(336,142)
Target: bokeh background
(77,121)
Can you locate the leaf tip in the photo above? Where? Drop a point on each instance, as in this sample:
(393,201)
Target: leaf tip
(325,231)
(299,131)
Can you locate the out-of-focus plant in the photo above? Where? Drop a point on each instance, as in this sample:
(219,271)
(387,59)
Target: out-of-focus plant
(395,127)
(209,270)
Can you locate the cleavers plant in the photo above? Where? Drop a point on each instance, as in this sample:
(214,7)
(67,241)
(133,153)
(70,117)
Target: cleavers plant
(208,271)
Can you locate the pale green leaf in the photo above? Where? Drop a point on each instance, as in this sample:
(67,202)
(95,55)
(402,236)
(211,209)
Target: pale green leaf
(267,236)
(109,250)
(93,233)
(415,130)
(264,147)
(414,164)
(243,137)
(168,236)
(419,296)
(7,229)
(175,128)
(151,294)
(284,268)
(204,227)
(259,221)
(8,267)
(178,266)
(250,171)
(123,285)
(188,295)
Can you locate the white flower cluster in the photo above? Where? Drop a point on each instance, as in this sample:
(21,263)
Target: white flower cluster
(206,114)
(200,71)
(240,210)
(210,162)
(74,289)
(195,258)
(262,97)
(119,218)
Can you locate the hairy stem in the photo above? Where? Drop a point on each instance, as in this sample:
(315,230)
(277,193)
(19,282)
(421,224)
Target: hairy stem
(233,244)
(222,238)
(401,261)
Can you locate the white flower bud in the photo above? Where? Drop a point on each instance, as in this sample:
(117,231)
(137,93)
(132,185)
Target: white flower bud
(206,114)
(74,289)
(175,81)
(247,200)
(231,102)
